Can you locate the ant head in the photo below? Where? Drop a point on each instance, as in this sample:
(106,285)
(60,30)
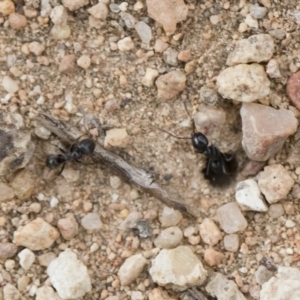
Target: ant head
(200,142)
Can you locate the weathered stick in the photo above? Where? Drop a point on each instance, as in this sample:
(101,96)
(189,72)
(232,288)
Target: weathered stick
(136,176)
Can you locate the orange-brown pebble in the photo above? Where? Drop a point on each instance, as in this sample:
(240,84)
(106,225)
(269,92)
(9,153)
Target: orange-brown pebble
(17,21)
(67,64)
(184,55)
(213,257)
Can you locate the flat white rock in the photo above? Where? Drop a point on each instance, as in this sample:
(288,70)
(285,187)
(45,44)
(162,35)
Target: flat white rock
(27,258)
(131,268)
(275,182)
(249,197)
(245,83)
(36,235)
(231,219)
(170,217)
(256,48)
(9,85)
(224,289)
(69,276)
(177,268)
(285,285)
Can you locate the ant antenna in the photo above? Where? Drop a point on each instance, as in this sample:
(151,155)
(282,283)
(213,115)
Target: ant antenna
(173,135)
(193,121)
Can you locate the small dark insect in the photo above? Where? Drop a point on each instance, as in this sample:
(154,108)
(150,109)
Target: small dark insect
(267,262)
(220,167)
(77,150)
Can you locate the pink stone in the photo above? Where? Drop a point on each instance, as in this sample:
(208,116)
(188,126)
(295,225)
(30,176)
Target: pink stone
(7,250)
(275,182)
(265,129)
(67,64)
(213,257)
(68,227)
(170,84)
(209,231)
(293,89)
(167,13)
(184,55)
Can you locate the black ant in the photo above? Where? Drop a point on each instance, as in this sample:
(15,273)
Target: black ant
(220,167)
(77,150)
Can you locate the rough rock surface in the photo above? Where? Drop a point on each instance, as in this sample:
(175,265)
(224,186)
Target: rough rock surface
(7,192)
(263,135)
(73,5)
(7,250)
(256,48)
(273,69)
(209,121)
(170,84)
(10,292)
(223,288)
(177,268)
(245,83)
(262,275)
(213,257)
(23,184)
(167,13)
(116,137)
(27,258)
(46,292)
(169,238)
(231,219)
(249,197)
(91,221)
(16,147)
(36,235)
(69,276)
(285,285)
(231,242)
(275,182)
(132,268)
(169,217)
(210,232)
(68,227)
(293,89)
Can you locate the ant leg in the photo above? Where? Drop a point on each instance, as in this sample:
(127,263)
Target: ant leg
(208,167)
(83,162)
(61,169)
(224,165)
(62,150)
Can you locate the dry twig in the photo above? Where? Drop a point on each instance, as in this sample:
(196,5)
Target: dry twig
(136,176)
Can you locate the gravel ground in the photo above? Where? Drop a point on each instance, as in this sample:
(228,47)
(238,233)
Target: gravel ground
(105,78)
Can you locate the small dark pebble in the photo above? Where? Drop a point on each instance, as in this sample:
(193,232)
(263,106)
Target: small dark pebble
(142,229)
(168,177)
